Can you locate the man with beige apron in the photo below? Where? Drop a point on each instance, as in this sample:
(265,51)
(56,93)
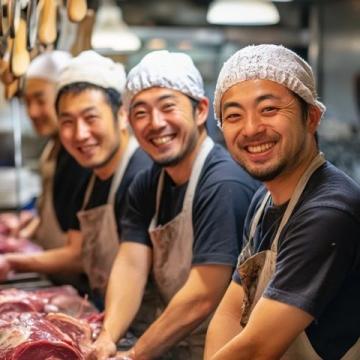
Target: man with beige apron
(49,227)
(104,145)
(293,295)
(183,216)
(93,131)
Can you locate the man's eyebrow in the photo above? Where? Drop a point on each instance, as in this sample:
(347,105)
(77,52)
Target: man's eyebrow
(82,112)
(258,100)
(37,94)
(266,97)
(159,99)
(232,104)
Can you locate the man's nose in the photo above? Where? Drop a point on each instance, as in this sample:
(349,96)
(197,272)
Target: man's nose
(82,130)
(33,110)
(252,124)
(158,119)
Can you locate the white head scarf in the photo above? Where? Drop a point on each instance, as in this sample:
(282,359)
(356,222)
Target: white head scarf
(164,69)
(267,62)
(48,65)
(92,68)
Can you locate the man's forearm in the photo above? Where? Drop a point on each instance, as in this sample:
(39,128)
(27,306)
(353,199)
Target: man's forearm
(244,350)
(29,229)
(51,261)
(122,303)
(222,329)
(177,321)
(126,288)
(225,324)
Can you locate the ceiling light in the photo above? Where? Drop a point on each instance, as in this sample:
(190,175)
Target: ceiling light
(111,32)
(242,12)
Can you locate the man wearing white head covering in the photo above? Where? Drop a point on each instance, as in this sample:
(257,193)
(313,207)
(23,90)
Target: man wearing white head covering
(93,129)
(295,292)
(183,216)
(58,202)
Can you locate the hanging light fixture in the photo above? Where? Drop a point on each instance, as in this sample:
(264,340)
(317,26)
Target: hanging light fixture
(111,32)
(242,12)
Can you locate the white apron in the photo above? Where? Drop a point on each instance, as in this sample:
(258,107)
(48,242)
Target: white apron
(172,254)
(257,270)
(99,230)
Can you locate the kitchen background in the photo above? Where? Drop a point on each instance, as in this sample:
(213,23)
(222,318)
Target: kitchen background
(325,32)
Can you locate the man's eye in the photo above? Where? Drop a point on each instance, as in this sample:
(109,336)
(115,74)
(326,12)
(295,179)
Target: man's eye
(139,114)
(232,117)
(269,109)
(168,107)
(65,122)
(91,118)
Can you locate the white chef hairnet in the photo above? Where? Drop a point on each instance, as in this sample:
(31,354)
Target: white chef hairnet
(267,62)
(164,69)
(92,68)
(48,65)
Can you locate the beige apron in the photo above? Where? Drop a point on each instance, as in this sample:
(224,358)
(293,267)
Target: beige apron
(172,253)
(99,229)
(49,235)
(256,271)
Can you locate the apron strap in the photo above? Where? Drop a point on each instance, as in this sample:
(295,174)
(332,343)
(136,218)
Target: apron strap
(258,214)
(314,165)
(48,149)
(125,159)
(88,192)
(120,171)
(203,152)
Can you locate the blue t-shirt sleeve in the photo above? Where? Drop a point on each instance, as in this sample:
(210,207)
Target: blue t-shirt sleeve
(218,219)
(318,252)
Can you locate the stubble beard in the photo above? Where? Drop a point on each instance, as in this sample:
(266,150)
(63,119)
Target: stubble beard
(108,158)
(176,159)
(284,165)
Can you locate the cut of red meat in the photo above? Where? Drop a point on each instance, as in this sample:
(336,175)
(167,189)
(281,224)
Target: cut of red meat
(79,330)
(31,336)
(44,350)
(19,300)
(57,299)
(27,332)
(10,244)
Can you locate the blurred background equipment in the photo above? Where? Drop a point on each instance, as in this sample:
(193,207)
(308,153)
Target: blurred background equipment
(325,32)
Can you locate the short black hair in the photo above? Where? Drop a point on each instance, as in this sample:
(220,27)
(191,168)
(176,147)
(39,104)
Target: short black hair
(304,106)
(194,103)
(111,96)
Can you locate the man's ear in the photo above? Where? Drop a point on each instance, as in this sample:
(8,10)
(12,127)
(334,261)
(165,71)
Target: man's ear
(313,119)
(122,118)
(202,111)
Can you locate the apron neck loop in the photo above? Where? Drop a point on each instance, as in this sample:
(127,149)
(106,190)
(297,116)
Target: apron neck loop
(201,156)
(318,160)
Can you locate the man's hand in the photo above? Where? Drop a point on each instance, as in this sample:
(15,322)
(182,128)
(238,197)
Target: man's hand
(103,347)
(125,355)
(16,222)
(4,268)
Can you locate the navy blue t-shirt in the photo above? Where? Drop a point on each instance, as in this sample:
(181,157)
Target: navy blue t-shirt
(221,200)
(318,261)
(69,184)
(99,196)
